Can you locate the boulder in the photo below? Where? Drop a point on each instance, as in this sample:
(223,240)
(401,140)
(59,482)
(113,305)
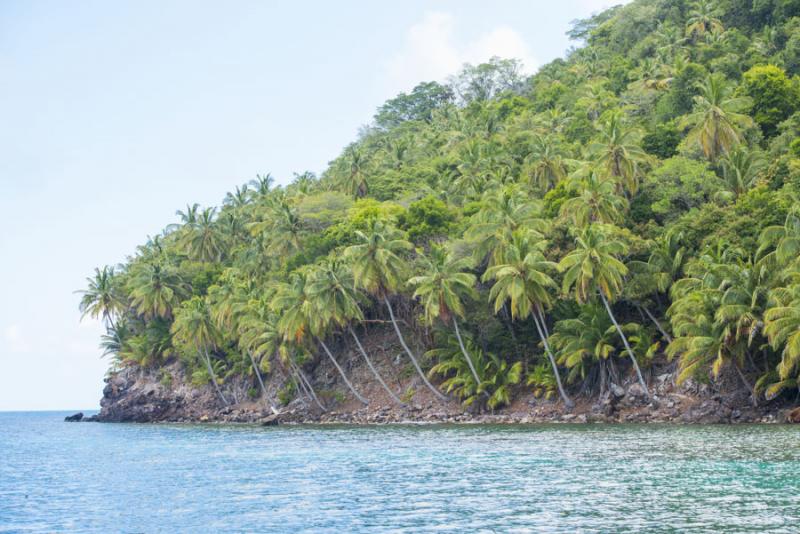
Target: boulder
(74,418)
(616,390)
(793,416)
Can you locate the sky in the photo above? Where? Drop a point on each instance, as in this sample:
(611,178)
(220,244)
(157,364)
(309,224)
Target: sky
(113,115)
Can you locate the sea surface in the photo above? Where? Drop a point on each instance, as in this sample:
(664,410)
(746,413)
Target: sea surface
(93,477)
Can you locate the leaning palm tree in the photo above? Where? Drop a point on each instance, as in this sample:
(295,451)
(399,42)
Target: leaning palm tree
(594,268)
(299,320)
(336,300)
(717,117)
(523,281)
(379,269)
(442,289)
(194,328)
(102,297)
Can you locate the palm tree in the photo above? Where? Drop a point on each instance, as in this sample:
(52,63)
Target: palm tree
(662,268)
(355,169)
(474,169)
(783,329)
(716,117)
(262,185)
(201,238)
(281,227)
(102,297)
(299,319)
(379,270)
(703,18)
(544,165)
(740,170)
(240,197)
(523,280)
(442,289)
(232,310)
(332,290)
(503,211)
(155,290)
(597,202)
(594,268)
(194,328)
(586,342)
(779,245)
(617,153)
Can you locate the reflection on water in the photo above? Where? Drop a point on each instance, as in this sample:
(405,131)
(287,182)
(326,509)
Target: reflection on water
(87,477)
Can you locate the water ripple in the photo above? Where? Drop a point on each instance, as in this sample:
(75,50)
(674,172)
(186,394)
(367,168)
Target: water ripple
(58,476)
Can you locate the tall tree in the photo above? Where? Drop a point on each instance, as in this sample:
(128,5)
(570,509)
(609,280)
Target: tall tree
(102,298)
(194,327)
(332,291)
(717,117)
(523,281)
(594,268)
(379,269)
(442,289)
(299,321)
(155,289)
(617,153)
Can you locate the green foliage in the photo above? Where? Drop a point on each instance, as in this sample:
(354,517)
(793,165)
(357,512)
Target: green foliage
(287,393)
(774,95)
(657,165)
(426,219)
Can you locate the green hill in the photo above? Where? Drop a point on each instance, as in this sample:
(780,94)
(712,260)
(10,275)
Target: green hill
(631,204)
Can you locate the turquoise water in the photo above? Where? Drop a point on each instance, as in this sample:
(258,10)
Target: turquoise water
(90,477)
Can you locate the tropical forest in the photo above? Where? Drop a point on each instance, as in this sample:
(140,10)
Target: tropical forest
(626,216)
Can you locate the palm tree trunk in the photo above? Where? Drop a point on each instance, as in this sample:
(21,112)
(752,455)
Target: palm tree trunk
(261,382)
(341,372)
(372,368)
(466,354)
(309,389)
(411,354)
(666,336)
(627,346)
(747,385)
(213,376)
(542,329)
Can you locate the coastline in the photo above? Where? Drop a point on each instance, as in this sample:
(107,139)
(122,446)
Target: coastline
(137,395)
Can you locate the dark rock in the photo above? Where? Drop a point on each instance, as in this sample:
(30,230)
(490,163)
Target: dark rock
(74,418)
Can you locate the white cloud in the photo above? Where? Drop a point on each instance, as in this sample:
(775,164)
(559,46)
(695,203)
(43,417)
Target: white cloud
(431,51)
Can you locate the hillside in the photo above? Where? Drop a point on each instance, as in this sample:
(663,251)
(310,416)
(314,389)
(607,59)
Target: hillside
(615,236)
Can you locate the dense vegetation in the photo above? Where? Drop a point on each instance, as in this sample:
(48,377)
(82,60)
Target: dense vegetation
(631,205)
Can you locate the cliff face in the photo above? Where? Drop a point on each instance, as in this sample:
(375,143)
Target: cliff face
(138,395)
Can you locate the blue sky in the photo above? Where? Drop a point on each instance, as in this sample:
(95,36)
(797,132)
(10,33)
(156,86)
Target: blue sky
(115,114)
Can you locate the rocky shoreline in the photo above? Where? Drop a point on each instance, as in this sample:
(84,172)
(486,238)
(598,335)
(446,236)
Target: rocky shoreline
(134,395)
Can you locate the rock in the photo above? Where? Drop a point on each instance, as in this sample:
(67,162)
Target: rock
(636,391)
(792,416)
(616,390)
(74,418)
